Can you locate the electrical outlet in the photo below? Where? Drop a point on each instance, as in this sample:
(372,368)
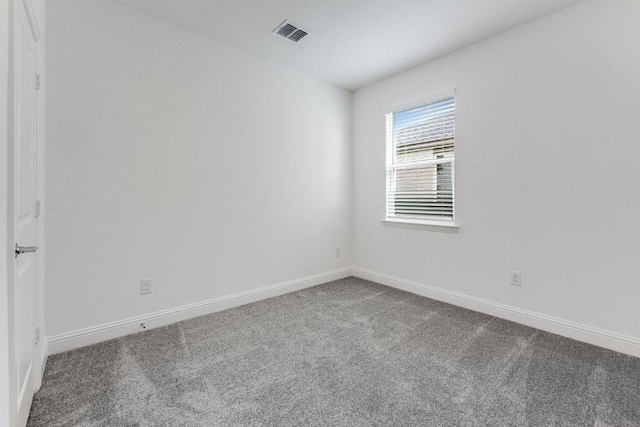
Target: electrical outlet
(516,278)
(337,252)
(145,286)
(37,335)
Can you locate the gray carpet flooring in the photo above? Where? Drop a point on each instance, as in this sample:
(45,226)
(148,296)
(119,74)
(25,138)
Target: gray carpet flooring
(346,353)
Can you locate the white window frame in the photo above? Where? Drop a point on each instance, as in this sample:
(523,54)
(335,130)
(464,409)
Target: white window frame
(448,226)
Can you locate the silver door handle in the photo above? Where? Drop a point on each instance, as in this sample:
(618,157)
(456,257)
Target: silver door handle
(23,249)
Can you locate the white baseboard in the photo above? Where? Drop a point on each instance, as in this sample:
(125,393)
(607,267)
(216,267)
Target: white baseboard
(44,353)
(83,337)
(41,362)
(607,339)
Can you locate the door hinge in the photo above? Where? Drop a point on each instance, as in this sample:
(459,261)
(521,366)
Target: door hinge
(37,209)
(37,81)
(37,335)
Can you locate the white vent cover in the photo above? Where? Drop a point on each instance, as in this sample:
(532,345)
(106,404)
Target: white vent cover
(290,31)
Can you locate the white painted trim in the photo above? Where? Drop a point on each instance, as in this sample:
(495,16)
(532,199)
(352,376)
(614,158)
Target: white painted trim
(607,339)
(44,355)
(6,213)
(425,99)
(83,337)
(443,227)
(41,357)
(33,21)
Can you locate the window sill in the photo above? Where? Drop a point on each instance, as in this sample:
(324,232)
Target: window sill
(441,226)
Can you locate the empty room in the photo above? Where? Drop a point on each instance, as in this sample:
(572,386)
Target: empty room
(319,213)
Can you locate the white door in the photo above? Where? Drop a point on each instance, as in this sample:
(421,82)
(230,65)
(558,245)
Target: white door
(25,212)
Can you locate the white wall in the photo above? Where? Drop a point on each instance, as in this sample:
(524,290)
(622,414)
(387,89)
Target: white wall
(547,149)
(175,157)
(147,174)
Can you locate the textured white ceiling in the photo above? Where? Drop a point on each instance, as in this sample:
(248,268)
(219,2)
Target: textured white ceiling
(352,43)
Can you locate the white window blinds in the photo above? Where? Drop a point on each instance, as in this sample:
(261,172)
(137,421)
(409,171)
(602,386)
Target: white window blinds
(420,161)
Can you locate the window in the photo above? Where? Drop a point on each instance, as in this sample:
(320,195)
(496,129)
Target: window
(420,162)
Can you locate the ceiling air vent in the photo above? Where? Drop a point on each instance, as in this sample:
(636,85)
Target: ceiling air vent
(290,31)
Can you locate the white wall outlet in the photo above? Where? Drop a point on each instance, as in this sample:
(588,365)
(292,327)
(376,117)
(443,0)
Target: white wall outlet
(145,286)
(337,252)
(516,278)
